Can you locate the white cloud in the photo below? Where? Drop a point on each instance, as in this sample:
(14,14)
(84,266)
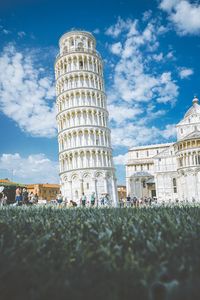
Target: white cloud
(167,90)
(138,92)
(185,72)
(168,5)
(184,15)
(170,55)
(120,159)
(36,168)
(158,57)
(133,134)
(122,112)
(26,95)
(5,31)
(116,48)
(169,131)
(133,76)
(147,15)
(121,25)
(21,34)
(96,31)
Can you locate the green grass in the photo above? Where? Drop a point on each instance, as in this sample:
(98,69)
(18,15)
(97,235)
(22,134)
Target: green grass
(50,253)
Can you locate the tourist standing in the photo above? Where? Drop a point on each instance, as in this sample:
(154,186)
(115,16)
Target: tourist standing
(31,198)
(121,204)
(18,196)
(92,199)
(59,199)
(106,200)
(128,201)
(24,196)
(102,200)
(83,199)
(3,199)
(36,198)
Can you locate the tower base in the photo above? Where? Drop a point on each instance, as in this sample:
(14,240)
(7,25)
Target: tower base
(97,182)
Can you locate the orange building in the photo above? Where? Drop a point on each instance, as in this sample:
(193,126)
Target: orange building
(7,182)
(45,191)
(121,190)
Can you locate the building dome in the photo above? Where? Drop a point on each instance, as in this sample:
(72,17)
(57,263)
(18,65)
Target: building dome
(195,109)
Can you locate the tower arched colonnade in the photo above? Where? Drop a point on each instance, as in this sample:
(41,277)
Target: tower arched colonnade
(100,182)
(79,80)
(77,62)
(81,97)
(82,116)
(85,158)
(82,137)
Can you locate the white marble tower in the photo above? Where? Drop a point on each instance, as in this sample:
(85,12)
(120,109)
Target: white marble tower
(85,154)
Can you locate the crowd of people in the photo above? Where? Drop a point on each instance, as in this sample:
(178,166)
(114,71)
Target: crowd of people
(84,201)
(22,196)
(136,202)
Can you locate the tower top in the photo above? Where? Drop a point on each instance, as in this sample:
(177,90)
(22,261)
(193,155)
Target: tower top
(195,100)
(77,33)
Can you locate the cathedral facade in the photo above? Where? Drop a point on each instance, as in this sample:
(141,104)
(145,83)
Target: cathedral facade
(171,171)
(85,153)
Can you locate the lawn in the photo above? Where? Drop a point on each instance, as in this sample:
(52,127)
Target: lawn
(110,253)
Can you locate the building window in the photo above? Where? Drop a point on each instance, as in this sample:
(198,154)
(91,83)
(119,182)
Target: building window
(174,185)
(137,154)
(88,186)
(198,159)
(181,130)
(147,153)
(157,151)
(147,166)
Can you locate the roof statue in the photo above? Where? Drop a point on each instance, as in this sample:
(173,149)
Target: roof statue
(194,109)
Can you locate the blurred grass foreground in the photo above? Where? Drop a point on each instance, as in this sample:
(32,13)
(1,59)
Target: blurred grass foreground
(130,253)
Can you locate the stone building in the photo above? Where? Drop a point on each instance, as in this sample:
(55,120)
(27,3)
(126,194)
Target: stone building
(168,171)
(121,190)
(47,191)
(85,154)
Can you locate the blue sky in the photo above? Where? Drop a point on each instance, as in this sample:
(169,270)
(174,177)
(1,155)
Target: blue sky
(151,65)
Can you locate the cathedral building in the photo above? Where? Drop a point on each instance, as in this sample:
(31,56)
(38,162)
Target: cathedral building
(170,171)
(85,153)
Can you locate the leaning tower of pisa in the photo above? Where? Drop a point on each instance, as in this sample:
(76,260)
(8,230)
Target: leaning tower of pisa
(85,154)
